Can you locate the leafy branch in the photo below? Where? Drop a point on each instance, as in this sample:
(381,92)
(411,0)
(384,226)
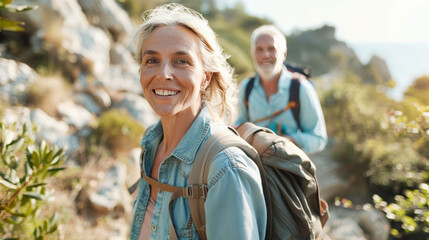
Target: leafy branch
(10,25)
(24,168)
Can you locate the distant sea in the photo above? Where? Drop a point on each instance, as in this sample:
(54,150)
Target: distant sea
(406,61)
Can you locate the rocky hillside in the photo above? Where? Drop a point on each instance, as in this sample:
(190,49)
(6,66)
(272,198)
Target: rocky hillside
(72,65)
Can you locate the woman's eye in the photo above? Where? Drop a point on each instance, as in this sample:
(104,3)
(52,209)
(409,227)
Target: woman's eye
(151,61)
(182,61)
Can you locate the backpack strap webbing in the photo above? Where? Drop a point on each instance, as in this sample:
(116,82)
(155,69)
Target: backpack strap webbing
(248,89)
(294,97)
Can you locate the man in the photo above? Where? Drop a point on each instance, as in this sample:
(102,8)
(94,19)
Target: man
(270,93)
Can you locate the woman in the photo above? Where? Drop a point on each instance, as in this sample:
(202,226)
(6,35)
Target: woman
(187,81)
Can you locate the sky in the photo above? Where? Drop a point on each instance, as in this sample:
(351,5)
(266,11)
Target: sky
(395,30)
(354,20)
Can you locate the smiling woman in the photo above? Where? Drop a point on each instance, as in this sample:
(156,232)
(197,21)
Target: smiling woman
(171,73)
(187,81)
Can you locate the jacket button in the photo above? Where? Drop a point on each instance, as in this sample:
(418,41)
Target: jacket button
(153,228)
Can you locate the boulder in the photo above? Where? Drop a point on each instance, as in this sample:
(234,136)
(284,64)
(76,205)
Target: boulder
(358,223)
(121,78)
(108,15)
(88,102)
(139,108)
(87,47)
(345,228)
(50,13)
(381,67)
(75,115)
(53,131)
(15,79)
(110,195)
(121,55)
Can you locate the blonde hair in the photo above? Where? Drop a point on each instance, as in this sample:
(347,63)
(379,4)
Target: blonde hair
(220,96)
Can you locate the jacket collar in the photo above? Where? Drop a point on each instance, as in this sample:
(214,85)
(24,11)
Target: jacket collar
(191,141)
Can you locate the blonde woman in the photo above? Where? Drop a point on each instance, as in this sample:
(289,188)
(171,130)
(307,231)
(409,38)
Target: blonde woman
(187,81)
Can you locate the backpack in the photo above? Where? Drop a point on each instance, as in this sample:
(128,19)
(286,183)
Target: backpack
(300,73)
(291,191)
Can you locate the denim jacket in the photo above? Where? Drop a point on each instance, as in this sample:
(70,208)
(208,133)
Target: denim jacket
(235,206)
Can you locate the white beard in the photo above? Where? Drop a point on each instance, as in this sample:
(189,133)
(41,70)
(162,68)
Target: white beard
(267,72)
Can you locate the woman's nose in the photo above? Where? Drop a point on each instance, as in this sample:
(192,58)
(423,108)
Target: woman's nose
(164,72)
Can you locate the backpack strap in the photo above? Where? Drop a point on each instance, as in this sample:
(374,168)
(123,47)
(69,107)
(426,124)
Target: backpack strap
(293,102)
(294,98)
(248,89)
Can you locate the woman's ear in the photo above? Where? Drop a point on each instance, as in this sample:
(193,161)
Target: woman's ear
(206,82)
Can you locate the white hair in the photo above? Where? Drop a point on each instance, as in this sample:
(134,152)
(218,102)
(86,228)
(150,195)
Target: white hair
(279,37)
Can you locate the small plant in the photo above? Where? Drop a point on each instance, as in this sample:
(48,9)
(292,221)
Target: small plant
(7,24)
(410,209)
(24,167)
(119,131)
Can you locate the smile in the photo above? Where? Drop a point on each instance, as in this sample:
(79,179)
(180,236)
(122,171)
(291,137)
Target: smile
(166,92)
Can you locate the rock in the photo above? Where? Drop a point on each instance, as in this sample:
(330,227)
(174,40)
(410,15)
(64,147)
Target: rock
(108,15)
(122,78)
(18,116)
(88,102)
(135,156)
(345,228)
(62,26)
(139,108)
(15,79)
(353,223)
(49,13)
(87,46)
(331,183)
(110,195)
(120,55)
(74,114)
(374,223)
(53,131)
(381,67)
(102,97)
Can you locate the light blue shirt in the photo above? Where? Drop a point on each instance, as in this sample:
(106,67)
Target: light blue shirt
(235,206)
(312,138)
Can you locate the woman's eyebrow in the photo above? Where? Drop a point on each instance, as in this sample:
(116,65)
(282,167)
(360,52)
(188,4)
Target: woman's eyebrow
(181,53)
(149,52)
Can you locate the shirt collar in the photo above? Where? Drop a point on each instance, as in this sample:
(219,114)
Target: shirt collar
(191,141)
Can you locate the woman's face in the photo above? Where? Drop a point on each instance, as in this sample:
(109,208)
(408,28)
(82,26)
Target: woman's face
(172,73)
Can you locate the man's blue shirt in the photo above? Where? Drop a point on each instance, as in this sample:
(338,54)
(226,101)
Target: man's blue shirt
(235,205)
(312,138)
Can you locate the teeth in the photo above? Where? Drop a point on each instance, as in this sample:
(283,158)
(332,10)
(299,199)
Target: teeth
(165,92)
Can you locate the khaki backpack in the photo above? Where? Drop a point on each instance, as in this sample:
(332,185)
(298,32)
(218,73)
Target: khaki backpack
(291,191)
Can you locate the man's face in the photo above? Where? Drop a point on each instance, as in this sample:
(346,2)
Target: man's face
(267,57)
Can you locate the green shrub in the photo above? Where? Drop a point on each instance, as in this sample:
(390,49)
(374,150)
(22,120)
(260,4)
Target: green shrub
(24,167)
(119,131)
(411,210)
(371,136)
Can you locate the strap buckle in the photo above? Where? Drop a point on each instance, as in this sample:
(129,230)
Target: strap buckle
(195,191)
